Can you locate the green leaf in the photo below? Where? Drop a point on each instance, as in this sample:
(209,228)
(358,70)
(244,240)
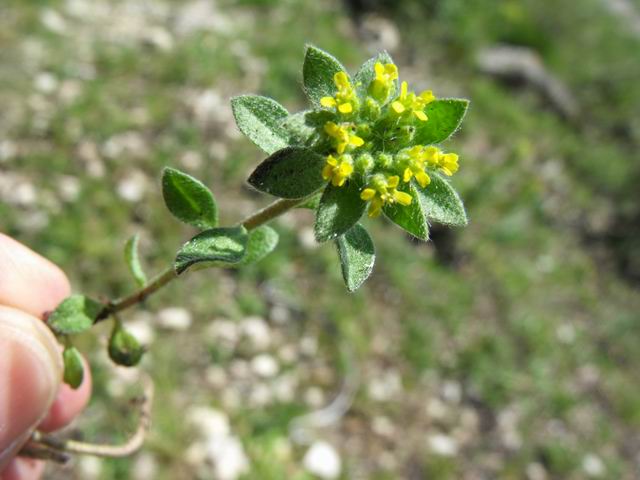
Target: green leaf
(311,203)
(298,131)
(317,74)
(260,119)
(133,260)
(124,349)
(188,199)
(293,172)
(366,74)
(445,117)
(226,245)
(357,256)
(340,209)
(261,243)
(441,203)
(410,218)
(73,367)
(75,314)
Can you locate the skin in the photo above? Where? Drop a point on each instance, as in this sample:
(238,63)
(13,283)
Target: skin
(31,391)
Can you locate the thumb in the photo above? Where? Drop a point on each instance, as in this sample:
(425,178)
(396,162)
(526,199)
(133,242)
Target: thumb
(30,374)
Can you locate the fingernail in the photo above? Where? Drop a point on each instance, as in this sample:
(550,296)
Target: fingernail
(30,374)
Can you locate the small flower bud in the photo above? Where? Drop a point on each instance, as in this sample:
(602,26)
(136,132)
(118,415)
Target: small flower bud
(124,349)
(371,109)
(385,160)
(364,163)
(73,367)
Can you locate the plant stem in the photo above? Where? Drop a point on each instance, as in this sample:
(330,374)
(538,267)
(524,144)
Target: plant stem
(261,217)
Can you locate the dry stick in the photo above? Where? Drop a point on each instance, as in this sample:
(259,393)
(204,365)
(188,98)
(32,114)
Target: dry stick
(48,447)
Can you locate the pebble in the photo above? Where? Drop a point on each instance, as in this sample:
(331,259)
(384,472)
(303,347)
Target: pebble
(593,465)
(265,366)
(145,467)
(323,460)
(442,445)
(257,331)
(175,318)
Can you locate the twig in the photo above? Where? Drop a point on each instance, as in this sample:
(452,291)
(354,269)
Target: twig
(49,447)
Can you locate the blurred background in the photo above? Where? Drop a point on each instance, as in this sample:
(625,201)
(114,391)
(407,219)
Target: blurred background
(508,349)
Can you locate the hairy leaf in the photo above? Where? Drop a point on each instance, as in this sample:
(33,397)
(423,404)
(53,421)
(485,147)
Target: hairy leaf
(299,133)
(441,203)
(132,260)
(188,199)
(410,218)
(340,209)
(366,74)
(261,243)
(226,245)
(75,314)
(445,117)
(260,119)
(357,256)
(317,74)
(293,172)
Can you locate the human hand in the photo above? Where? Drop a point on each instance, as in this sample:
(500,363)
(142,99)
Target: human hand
(31,391)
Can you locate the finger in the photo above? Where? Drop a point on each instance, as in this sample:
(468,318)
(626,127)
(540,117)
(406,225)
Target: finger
(30,374)
(68,403)
(23,469)
(28,281)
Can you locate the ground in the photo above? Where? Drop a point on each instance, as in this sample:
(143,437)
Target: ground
(507,349)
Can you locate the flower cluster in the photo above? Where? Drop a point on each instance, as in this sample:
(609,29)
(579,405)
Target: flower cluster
(372,140)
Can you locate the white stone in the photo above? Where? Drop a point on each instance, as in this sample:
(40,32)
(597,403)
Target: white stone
(210,422)
(229,458)
(145,467)
(45,82)
(175,318)
(257,331)
(216,376)
(279,314)
(535,471)
(133,187)
(140,327)
(442,445)
(307,238)
(385,386)
(265,366)
(323,460)
(451,391)
(314,397)
(8,150)
(68,187)
(592,465)
(89,467)
(260,395)
(222,330)
(566,333)
(53,21)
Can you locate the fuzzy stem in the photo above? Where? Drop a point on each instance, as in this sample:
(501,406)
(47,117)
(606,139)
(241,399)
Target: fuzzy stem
(261,217)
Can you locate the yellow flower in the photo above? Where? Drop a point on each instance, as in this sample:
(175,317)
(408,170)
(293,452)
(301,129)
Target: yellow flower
(345,100)
(383,81)
(384,191)
(415,162)
(447,163)
(342,136)
(410,102)
(337,169)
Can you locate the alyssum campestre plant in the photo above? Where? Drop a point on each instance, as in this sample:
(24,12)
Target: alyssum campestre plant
(367,144)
